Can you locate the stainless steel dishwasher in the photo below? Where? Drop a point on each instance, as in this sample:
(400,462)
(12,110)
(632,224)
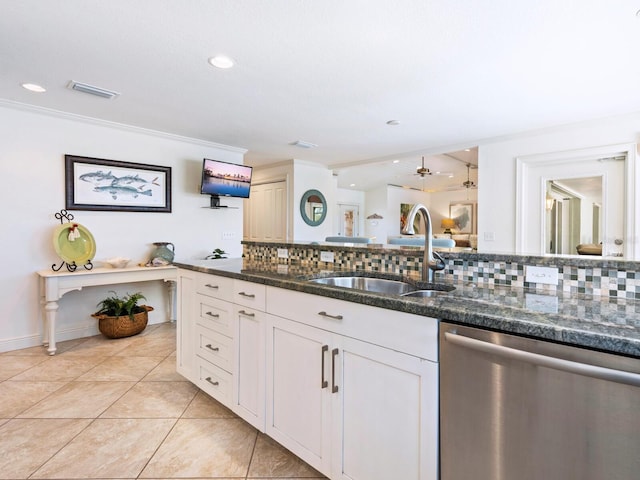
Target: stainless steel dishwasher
(513,408)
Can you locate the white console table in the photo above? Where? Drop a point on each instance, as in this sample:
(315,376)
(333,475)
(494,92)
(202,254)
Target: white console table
(53,285)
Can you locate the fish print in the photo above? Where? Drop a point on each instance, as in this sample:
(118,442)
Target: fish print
(99,178)
(115,190)
(134,179)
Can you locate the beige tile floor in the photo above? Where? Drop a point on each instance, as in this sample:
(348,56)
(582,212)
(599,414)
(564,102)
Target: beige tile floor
(117,409)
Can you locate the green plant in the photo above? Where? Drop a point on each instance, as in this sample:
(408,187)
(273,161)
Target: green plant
(217,253)
(116,306)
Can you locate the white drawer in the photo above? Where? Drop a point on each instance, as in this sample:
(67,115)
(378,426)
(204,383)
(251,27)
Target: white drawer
(249,294)
(215,286)
(215,314)
(214,347)
(214,381)
(412,334)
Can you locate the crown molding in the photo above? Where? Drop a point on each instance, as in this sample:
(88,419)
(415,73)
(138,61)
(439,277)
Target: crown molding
(115,125)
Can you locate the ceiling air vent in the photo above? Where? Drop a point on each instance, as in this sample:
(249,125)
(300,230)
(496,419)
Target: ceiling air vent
(97,91)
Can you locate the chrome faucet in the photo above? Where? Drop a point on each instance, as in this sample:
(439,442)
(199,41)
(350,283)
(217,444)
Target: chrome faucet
(431,261)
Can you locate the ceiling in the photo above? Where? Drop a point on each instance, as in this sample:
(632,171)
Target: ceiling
(447,171)
(330,72)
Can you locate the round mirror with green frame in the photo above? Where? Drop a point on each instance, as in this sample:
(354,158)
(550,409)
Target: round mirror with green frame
(313,207)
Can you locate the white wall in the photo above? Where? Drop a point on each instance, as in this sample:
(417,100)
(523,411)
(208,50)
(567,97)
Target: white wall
(396,196)
(440,202)
(497,170)
(32,165)
(376,201)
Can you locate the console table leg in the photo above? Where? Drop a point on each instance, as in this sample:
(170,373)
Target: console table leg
(51,309)
(171,285)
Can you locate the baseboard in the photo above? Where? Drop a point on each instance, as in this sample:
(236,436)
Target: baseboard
(71,333)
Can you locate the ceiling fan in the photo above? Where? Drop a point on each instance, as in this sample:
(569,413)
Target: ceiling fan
(469,183)
(422,171)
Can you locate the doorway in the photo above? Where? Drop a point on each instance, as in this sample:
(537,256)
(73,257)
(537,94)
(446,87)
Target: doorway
(348,220)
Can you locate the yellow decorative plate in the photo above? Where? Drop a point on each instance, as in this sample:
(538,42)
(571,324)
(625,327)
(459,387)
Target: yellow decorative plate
(80,247)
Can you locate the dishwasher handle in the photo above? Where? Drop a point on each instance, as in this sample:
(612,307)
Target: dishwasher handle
(584,369)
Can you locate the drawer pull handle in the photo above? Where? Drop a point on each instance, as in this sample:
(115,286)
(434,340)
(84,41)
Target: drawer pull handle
(334,354)
(215,384)
(246,314)
(214,315)
(248,295)
(214,349)
(325,314)
(324,384)
(208,285)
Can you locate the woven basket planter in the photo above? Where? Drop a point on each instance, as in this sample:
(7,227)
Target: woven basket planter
(123,326)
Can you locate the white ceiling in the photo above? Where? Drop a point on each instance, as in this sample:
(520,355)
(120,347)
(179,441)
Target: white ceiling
(330,72)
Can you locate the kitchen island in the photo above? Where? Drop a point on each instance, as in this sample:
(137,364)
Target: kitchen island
(609,324)
(334,374)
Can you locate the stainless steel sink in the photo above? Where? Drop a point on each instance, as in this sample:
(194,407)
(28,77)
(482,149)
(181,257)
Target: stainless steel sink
(379,285)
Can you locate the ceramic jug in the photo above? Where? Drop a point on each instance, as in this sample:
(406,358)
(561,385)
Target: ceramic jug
(163,251)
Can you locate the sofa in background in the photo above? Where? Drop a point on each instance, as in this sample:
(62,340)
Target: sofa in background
(418,240)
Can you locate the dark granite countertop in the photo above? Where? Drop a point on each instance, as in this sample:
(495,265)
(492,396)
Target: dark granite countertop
(607,324)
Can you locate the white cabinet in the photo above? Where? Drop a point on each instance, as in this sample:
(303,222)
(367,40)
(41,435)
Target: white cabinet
(249,356)
(186,288)
(349,388)
(385,414)
(352,409)
(298,400)
(212,336)
(221,341)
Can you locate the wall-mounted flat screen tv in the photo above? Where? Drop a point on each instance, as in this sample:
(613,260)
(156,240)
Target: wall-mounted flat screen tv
(223,179)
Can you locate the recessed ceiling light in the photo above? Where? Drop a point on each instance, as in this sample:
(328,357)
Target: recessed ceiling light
(393,122)
(221,61)
(467,149)
(352,184)
(32,87)
(396,161)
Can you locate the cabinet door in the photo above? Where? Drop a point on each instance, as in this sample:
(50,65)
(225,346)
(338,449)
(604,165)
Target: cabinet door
(187,315)
(384,414)
(298,396)
(249,366)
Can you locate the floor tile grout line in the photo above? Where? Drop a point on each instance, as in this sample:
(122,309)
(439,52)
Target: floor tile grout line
(253,451)
(164,439)
(63,446)
(41,400)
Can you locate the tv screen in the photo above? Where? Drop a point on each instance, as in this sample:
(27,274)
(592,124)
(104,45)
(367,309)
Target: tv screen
(222,179)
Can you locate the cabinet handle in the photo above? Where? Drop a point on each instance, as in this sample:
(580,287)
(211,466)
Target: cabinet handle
(324,384)
(214,315)
(246,314)
(214,349)
(248,295)
(334,354)
(208,285)
(215,384)
(325,314)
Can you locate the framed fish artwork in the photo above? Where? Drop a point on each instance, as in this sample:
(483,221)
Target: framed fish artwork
(112,185)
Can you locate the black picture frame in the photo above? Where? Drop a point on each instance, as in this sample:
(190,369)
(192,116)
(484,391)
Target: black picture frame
(116,186)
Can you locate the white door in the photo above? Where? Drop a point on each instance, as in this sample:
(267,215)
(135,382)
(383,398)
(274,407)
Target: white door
(349,220)
(298,401)
(265,213)
(385,415)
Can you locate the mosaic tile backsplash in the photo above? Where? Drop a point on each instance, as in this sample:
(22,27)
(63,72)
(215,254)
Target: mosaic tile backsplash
(607,278)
